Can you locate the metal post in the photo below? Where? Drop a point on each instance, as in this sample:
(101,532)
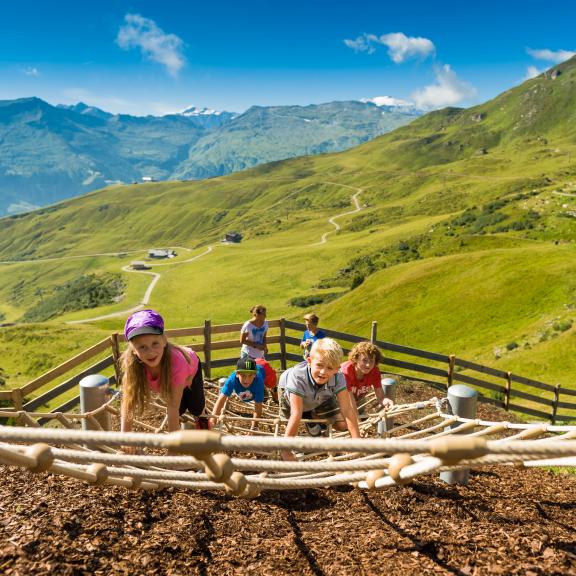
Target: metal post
(94,392)
(463,401)
(389,389)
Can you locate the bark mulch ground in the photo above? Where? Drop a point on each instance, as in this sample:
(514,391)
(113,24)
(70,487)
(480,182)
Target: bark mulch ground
(505,521)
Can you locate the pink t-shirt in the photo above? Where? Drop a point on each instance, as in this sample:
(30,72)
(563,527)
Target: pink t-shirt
(360,387)
(181,370)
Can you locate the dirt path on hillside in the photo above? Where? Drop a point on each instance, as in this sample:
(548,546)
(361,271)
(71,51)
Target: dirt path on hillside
(156,276)
(354,200)
(148,294)
(507,520)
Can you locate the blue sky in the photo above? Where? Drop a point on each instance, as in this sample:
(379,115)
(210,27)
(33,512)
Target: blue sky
(152,57)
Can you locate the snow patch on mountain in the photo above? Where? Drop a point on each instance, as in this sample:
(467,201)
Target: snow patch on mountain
(194,111)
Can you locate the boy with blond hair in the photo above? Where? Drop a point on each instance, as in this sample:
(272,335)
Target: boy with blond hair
(316,388)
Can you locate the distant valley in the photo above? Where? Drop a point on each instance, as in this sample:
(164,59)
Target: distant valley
(464,242)
(50,153)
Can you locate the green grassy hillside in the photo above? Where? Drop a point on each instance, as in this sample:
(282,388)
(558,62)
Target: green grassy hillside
(474,305)
(464,241)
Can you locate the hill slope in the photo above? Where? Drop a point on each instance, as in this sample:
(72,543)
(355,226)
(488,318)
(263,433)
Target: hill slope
(464,241)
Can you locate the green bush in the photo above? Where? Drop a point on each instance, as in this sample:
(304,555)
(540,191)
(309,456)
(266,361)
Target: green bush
(312,299)
(89,291)
(356,281)
(511,345)
(562,325)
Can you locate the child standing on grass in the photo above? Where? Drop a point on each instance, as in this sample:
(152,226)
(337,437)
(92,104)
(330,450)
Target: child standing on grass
(151,363)
(316,388)
(253,334)
(247,382)
(363,374)
(312,333)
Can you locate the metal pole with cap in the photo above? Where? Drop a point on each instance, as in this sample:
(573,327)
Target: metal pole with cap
(463,401)
(94,393)
(389,389)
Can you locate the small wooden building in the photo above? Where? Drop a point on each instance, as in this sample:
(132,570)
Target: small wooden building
(161,253)
(139,265)
(233,237)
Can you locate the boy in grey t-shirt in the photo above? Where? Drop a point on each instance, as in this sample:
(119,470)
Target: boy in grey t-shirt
(317,385)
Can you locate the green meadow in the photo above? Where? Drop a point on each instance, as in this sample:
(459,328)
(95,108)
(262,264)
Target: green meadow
(464,242)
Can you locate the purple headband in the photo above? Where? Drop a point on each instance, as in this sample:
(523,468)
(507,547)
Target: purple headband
(143,322)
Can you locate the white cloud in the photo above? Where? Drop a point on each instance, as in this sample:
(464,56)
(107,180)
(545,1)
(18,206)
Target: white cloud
(154,43)
(30,71)
(448,90)
(532,72)
(550,56)
(400,46)
(387,101)
(361,44)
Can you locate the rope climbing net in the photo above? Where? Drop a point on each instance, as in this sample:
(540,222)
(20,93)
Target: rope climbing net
(400,444)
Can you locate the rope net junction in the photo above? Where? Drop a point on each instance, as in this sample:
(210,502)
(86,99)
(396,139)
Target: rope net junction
(398,445)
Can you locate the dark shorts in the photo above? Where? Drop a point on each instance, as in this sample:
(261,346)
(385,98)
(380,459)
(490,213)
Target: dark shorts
(193,396)
(328,410)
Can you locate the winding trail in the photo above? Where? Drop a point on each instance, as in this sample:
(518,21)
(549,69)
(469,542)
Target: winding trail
(564,194)
(148,293)
(332,220)
(156,275)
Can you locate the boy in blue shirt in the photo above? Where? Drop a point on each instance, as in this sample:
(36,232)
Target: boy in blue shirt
(311,334)
(247,382)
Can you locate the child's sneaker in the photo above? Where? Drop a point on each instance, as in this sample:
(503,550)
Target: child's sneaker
(203,423)
(313,428)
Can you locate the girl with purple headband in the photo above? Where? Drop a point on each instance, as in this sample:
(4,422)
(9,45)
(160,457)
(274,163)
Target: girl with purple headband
(151,363)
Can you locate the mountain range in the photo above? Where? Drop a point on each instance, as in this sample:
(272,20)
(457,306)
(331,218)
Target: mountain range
(462,240)
(49,153)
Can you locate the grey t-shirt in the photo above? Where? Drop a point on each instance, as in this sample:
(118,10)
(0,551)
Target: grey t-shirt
(298,380)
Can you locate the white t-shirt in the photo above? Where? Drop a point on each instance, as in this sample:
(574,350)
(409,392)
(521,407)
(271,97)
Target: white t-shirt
(255,334)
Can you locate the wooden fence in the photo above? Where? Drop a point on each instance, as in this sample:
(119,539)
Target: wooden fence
(213,342)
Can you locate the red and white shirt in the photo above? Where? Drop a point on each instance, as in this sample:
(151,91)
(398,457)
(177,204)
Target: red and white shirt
(360,387)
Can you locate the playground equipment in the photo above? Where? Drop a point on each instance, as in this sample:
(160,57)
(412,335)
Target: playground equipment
(427,437)
(430,437)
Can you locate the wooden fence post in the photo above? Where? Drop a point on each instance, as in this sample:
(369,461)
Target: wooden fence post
(374,332)
(507,391)
(116,355)
(17,399)
(555,403)
(451,364)
(282,344)
(207,348)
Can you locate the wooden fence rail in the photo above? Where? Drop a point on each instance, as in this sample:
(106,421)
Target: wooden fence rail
(495,386)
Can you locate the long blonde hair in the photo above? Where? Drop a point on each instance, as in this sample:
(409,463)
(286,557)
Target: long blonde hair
(135,388)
